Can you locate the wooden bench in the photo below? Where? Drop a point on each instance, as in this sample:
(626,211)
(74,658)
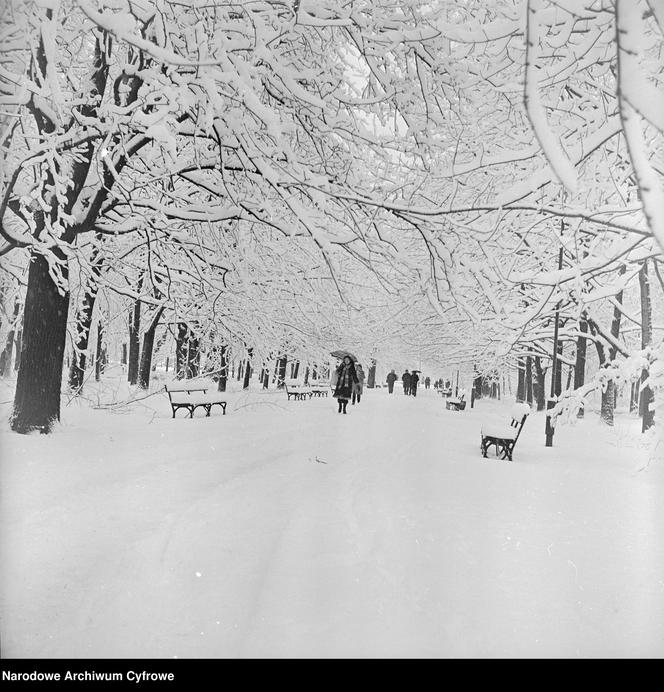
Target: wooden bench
(298,391)
(191,395)
(318,390)
(456,404)
(504,437)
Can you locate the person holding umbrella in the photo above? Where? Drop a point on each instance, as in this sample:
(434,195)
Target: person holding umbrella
(346,378)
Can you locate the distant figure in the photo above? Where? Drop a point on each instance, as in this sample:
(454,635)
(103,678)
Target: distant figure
(391,379)
(345,378)
(414,379)
(405,379)
(358,387)
(427,382)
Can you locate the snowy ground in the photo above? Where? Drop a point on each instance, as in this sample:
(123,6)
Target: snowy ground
(287,530)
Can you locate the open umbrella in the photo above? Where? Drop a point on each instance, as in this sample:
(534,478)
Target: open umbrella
(340,353)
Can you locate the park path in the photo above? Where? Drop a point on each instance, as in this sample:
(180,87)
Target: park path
(291,530)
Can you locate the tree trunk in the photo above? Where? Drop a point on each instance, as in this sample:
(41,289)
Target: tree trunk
(371,377)
(193,356)
(99,359)
(134,338)
(539,388)
(609,393)
(608,403)
(84,323)
(223,369)
(521,381)
(606,407)
(181,350)
(18,341)
(39,382)
(247,372)
(148,348)
(281,372)
(580,362)
(646,409)
(477,386)
(559,371)
(529,380)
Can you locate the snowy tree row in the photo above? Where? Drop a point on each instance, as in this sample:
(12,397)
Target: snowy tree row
(461,178)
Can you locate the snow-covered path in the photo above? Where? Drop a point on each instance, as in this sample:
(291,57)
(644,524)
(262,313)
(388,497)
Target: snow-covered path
(286,529)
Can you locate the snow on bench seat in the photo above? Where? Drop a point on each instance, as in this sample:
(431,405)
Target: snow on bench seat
(504,436)
(193,394)
(504,432)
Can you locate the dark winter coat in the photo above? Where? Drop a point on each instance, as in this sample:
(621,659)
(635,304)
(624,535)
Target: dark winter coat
(391,378)
(414,379)
(405,378)
(346,377)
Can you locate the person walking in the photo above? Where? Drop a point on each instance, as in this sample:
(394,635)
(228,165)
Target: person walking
(345,378)
(405,379)
(358,387)
(414,379)
(427,382)
(391,379)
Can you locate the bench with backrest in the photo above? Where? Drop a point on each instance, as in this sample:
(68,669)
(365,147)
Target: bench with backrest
(504,436)
(456,404)
(318,390)
(299,392)
(192,394)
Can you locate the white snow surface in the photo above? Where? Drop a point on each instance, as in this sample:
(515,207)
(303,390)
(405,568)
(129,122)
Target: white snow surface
(285,529)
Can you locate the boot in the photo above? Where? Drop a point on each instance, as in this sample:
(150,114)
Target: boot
(339,411)
(345,404)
